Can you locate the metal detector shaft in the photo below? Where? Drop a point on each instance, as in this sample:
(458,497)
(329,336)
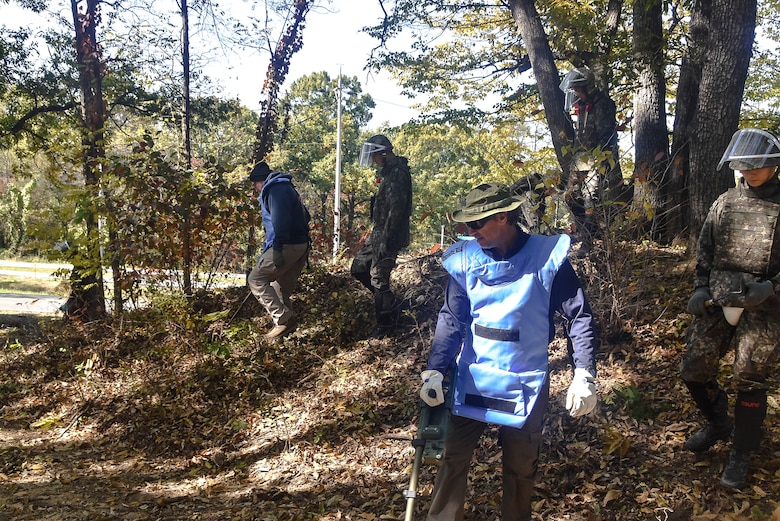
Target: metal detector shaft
(419,448)
(411,492)
(429,444)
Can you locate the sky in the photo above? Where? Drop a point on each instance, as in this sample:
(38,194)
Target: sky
(331,42)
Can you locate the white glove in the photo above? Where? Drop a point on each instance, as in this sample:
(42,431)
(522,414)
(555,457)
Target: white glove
(431,391)
(581,398)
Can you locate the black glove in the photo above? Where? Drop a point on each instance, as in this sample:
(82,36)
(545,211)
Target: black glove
(757,292)
(697,304)
(278,257)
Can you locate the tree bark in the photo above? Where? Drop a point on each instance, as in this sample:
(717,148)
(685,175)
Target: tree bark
(547,77)
(289,44)
(651,152)
(186,146)
(722,34)
(87,300)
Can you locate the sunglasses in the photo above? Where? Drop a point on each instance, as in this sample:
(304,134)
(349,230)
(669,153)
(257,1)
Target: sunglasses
(479,223)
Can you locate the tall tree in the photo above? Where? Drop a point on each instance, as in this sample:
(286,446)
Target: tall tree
(651,155)
(719,36)
(712,82)
(186,143)
(87,297)
(289,44)
(547,77)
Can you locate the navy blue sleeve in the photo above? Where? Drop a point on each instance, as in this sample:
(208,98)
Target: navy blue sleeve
(454,318)
(568,298)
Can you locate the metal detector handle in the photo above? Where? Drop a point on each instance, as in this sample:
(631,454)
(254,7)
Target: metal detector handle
(428,435)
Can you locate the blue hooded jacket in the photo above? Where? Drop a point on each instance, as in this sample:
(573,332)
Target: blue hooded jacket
(285,218)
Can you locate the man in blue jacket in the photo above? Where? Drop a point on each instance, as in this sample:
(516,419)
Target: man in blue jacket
(284,252)
(504,289)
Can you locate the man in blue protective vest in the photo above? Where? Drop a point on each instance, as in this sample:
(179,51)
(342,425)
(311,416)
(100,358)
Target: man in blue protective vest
(284,253)
(504,289)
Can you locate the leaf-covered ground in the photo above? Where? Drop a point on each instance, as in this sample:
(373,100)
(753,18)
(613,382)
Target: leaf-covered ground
(182,412)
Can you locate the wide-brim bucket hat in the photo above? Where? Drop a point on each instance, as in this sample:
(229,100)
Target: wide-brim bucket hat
(485,200)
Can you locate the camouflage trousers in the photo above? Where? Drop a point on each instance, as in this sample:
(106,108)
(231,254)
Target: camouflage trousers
(591,191)
(755,338)
(370,266)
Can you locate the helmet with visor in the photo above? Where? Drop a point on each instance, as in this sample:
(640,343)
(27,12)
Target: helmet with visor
(374,145)
(750,149)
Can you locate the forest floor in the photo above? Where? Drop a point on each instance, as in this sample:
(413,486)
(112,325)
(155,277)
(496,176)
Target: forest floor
(180,411)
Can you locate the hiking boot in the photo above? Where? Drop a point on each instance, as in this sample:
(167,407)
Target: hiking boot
(735,475)
(279,331)
(710,434)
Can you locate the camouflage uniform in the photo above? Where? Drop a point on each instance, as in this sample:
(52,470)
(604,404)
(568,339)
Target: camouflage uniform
(391,210)
(595,169)
(739,243)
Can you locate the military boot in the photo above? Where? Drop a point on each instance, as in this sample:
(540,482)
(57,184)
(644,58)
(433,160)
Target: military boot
(386,308)
(718,424)
(735,475)
(749,413)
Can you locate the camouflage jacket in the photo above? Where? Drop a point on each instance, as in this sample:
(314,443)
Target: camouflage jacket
(596,123)
(740,237)
(393,206)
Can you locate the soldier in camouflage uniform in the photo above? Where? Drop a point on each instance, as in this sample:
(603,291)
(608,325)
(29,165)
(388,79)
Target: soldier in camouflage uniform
(390,212)
(737,272)
(595,176)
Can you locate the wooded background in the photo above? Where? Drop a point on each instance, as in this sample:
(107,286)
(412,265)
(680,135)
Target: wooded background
(114,140)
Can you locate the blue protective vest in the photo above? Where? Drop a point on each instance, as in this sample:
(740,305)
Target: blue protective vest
(503,363)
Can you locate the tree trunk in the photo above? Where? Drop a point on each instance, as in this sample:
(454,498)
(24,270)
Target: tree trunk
(289,44)
(651,138)
(547,77)
(677,190)
(87,300)
(186,145)
(721,46)
(599,62)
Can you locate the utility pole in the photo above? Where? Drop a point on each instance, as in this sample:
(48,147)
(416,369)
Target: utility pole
(337,196)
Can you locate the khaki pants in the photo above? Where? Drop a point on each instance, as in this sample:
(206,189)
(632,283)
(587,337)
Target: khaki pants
(273,286)
(520,458)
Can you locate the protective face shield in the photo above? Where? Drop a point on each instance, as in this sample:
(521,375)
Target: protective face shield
(570,99)
(368,150)
(575,78)
(751,148)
